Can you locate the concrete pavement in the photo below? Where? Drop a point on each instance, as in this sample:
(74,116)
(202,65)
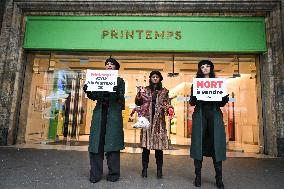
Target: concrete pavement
(44,169)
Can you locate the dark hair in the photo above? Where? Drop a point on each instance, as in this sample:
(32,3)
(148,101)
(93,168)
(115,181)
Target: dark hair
(156,72)
(151,84)
(113,61)
(155,87)
(199,73)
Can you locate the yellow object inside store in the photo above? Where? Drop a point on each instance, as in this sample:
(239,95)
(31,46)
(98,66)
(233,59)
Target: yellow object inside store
(57,76)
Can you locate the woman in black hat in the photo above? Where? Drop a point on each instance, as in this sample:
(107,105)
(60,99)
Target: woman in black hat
(208,131)
(154,109)
(106,134)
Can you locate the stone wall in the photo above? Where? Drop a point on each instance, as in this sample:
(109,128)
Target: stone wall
(273,71)
(272,76)
(13,58)
(11,69)
(2,5)
(280,91)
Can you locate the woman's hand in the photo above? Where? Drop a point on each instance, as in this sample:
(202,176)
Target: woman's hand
(225,99)
(171,112)
(193,100)
(85,88)
(141,89)
(115,88)
(140,92)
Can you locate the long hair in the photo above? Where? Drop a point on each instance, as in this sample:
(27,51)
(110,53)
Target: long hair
(199,73)
(152,86)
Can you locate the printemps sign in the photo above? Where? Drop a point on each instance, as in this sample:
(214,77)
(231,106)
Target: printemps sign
(145,33)
(141,34)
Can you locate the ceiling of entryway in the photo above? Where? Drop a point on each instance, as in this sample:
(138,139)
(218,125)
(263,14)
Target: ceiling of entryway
(133,62)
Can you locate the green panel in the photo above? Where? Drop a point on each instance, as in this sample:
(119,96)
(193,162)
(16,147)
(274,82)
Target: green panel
(53,122)
(181,34)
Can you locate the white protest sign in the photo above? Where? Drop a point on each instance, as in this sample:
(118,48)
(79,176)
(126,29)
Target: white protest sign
(209,89)
(101,80)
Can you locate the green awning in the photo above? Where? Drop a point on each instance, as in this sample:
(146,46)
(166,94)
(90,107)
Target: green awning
(158,34)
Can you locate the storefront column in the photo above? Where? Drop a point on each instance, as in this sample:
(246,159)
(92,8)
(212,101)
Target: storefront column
(280,139)
(272,87)
(11,72)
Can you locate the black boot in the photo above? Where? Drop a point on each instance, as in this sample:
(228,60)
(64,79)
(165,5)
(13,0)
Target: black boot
(159,172)
(144,172)
(145,161)
(197,180)
(198,166)
(159,162)
(218,177)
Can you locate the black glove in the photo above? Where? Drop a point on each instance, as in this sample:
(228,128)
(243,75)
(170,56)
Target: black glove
(85,88)
(115,88)
(225,99)
(193,100)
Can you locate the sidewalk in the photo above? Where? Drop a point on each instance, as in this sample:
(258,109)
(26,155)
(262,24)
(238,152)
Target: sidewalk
(45,169)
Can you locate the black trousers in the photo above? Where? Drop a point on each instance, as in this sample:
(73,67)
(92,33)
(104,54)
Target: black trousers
(208,148)
(198,163)
(113,162)
(96,159)
(158,156)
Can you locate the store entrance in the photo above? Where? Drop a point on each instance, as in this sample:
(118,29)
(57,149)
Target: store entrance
(60,113)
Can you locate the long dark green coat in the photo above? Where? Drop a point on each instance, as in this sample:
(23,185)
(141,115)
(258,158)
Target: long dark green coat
(196,150)
(114,137)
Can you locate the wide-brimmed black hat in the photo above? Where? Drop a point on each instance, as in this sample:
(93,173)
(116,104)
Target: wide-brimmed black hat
(112,60)
(208,62)
(157,73)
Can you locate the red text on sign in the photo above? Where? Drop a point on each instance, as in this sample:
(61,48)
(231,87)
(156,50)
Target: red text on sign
(209,84)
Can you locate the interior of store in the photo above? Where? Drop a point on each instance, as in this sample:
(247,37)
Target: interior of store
(59,109)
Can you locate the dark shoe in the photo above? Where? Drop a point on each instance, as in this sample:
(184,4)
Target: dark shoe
(218,177)
(219,182)
(197,181)
(94,181)
(159,173)
(111,178)
(144,173)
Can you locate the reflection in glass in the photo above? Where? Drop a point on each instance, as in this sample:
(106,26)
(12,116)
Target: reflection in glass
(59,111)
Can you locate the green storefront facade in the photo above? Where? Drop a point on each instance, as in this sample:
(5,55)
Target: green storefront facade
(143,34)
(199,27)
(162,34)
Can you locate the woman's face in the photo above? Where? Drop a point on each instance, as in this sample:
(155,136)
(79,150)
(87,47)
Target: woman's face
(110,66)
(155,79)
(205,68)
